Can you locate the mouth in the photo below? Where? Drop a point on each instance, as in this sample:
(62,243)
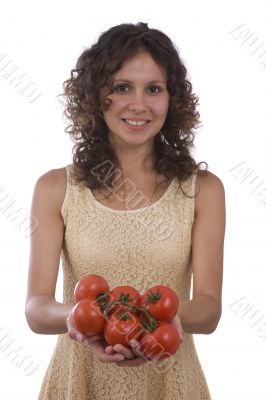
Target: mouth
(136,124)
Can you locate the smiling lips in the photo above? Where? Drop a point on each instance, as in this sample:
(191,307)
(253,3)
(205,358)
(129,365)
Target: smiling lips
(136,124)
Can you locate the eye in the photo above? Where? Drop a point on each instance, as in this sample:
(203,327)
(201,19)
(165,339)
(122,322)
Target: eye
(155,89)
(121,87)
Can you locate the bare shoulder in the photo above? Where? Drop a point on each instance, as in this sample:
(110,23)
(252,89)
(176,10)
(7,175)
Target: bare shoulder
(52,185)
(208,189)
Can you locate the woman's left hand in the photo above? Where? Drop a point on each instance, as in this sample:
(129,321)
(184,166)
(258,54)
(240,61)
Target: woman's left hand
(133,356)
(177,323)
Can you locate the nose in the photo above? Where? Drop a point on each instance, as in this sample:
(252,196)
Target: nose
(137,102)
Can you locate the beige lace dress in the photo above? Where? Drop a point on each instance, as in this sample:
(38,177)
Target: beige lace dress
(141,247)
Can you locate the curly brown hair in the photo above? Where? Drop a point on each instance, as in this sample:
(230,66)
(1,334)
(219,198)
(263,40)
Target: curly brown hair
(94,69)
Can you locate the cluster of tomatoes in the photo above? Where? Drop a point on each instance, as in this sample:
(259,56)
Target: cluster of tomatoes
(123,314)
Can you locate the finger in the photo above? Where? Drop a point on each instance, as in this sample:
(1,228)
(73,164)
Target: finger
(136,348)
(124,350)
(110,350)
(181,333)
(99,349)
(80,337)
(76,336)
(109,358)
(94,338)
(177,324)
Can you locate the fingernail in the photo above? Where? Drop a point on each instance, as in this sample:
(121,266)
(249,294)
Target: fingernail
(133,342)
(79,338)
(109,349)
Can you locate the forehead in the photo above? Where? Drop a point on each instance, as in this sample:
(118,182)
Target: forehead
(141,65)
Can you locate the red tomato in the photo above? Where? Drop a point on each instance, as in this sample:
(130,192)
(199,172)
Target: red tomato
(126,293)
(161,343)
(121,331)
(162,302)
(89,287)
(87,317)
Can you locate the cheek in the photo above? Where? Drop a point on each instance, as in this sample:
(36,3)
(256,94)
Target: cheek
(160,110)
(117,104)
(114,109)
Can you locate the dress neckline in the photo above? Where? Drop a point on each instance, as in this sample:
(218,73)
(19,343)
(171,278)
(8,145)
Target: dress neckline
(137,210)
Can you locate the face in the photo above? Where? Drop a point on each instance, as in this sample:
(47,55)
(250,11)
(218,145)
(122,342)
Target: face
(139,103)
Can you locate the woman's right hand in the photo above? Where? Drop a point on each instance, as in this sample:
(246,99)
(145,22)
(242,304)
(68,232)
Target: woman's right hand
(73,332)
(97,342)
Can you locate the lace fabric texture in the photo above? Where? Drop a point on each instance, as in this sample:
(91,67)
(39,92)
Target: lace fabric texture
(141,248)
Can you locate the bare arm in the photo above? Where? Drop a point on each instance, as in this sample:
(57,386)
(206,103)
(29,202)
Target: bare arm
(203,312)
(43,313)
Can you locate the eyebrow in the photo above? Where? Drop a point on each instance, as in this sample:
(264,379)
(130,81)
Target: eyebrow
(128,81)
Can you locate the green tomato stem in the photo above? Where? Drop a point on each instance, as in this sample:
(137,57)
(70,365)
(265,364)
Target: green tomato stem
(105,305)
(153,323)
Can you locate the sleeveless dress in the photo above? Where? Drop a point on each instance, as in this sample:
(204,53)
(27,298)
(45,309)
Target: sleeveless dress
(142,248)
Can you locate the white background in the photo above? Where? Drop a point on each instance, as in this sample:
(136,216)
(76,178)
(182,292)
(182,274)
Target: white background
(228,73)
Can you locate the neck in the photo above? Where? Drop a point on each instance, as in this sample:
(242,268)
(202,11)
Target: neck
(136,163)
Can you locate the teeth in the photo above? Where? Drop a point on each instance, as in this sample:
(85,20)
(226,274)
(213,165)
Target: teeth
(130,122)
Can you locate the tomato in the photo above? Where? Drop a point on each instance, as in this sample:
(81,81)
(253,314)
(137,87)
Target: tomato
(121,331)
(126,293)
(87,317)
(162,302)
(160,343)
(90,286)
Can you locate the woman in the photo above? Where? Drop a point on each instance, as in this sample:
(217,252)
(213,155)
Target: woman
(127,209)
